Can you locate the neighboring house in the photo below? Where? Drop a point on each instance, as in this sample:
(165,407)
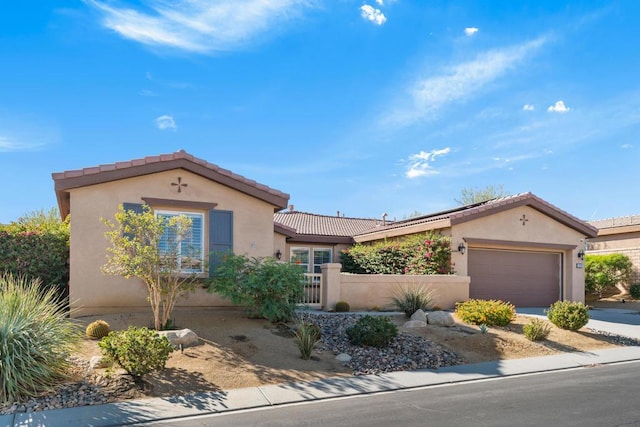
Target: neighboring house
(229,212)
(618,235)
(519,248)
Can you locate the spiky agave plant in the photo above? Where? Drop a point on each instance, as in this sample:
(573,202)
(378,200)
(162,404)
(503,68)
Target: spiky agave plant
(36,338)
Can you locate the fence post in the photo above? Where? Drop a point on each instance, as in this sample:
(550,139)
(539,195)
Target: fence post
(330,284)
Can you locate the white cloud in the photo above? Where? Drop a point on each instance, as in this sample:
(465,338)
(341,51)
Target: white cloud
(420,163)
(461,81)
(166,122)
(558,107)
(198,25)
(528,107)
(372,14)
(380,2)
(626,146)
(470,31)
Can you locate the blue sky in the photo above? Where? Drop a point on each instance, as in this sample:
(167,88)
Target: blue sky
(362,107)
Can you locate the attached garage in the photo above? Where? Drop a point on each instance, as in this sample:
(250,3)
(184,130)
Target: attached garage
(518,248)
(524,278)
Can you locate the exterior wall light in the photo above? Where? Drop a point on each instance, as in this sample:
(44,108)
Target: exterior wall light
(581,254)
(278,254)
(462,248)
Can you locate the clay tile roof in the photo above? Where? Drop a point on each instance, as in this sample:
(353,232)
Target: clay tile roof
(622,221)
(323,225)
(67,180)
(479,210)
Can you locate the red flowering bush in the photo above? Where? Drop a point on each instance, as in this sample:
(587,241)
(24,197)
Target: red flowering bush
(417,254)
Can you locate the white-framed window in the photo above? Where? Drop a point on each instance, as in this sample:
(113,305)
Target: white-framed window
(300,256)
(310,259)
(320,256)
(190,251)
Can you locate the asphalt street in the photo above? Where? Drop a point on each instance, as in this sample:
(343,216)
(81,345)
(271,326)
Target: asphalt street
(600,395)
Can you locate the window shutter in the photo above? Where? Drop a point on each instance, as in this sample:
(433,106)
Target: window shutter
(134,207)
(220,237)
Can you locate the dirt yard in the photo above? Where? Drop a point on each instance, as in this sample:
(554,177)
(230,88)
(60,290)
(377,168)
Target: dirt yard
(237,352)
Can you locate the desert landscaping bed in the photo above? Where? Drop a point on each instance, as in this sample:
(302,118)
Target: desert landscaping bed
(237,352)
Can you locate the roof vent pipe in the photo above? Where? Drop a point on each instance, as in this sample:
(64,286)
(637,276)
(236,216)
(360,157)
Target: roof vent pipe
(290,208)
(384,218)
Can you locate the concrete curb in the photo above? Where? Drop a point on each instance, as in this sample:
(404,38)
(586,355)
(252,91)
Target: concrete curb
(155,409)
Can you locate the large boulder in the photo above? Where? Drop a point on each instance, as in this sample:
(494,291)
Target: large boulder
(180,337)
(440,318)
(98,362)
(419,315)
(343,357)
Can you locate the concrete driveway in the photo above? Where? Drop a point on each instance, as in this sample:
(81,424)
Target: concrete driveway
(613,320)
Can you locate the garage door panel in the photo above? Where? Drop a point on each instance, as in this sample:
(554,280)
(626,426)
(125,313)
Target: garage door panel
(522,278)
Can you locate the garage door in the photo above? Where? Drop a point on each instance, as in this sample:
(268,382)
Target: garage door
(526,279)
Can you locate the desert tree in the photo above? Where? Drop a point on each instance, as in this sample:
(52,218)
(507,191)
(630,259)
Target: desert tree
(471,195)
(157,251)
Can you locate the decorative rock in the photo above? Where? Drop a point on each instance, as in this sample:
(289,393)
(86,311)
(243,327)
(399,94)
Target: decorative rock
(419,315)
(98,362)
(184,337)
(343,357)
(415,324)
(441,318)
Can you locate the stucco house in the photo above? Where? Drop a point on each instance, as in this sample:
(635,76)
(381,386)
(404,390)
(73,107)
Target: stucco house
(518,248)
(229,212)
(618,235)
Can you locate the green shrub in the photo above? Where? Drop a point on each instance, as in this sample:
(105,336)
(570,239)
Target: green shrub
(266,288)
(36,246)
(487,312)
(36,338)
(568,315)
(307,335)
(604,271)
(418,254)
(412,298)
(373,331)
(342,307)
(536,330)
(137,350)
(634,291)
(97,329)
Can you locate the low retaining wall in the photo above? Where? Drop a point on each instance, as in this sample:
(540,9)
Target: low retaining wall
(364,291)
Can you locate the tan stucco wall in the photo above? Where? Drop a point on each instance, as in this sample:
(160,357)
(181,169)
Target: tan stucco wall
(364,291)
(92,292)
(539,230)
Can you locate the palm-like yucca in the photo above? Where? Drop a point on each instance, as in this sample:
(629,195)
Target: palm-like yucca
(36,338)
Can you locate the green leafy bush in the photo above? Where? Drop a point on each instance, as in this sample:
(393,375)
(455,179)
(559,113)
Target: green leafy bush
(36,338)
(342,307)
(604,271)
(411,298)
(137,350)
(634,291)
(568,315)
(487,312)
(418,254)
(373,331)
(536,330)
(265,287)
(307,335)
(36,246)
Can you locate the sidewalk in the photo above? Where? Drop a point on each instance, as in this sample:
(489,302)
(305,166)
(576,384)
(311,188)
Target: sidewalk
(149,410)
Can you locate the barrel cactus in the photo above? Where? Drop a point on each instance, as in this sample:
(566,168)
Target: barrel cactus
(98,329)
